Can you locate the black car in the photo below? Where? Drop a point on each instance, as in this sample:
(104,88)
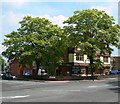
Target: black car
(7,76)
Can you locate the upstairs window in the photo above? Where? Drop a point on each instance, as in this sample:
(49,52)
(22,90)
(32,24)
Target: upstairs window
(97,57)
(105,59)
(79,57)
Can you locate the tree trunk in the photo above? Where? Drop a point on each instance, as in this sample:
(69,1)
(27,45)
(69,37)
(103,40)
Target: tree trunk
(37,67)
(92,68)
(52,70)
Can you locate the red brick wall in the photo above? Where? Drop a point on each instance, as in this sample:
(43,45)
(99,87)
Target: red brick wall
(14,68)
(19,70)
(116,62)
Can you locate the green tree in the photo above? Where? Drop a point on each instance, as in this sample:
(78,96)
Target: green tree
(53,56)
(92,30)
(35,40)
(2,64)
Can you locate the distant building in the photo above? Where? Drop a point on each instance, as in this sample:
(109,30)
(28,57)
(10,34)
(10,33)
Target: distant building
(76,64)
(17,69)
(115,62)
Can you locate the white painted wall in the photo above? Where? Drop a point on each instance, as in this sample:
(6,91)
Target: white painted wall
(101,58)
(108,61)
(77,60)
(72,58)
(84,61)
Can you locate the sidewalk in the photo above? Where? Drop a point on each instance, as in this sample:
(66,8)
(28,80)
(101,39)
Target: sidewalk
(65,79)
(109,76)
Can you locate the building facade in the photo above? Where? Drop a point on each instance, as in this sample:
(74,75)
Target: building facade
(19,70)
(76,64)
(115,62)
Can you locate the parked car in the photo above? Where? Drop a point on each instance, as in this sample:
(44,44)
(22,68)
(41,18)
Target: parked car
(114,72)
(27,74)
(7,76)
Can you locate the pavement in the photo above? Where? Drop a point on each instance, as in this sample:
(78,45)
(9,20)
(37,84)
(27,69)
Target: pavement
(69,79)
(105,90)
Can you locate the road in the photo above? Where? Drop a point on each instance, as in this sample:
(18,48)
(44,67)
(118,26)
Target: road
(105,90)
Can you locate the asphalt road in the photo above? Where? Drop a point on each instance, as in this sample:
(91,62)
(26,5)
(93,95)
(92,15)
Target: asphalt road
(105,90)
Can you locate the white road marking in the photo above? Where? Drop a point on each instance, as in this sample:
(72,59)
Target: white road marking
(97,86)
(58,81)
(112,78)
(61,90)
(75,90)
(92,86)
(116,86)
(103,85)
(14,97)
(100,80)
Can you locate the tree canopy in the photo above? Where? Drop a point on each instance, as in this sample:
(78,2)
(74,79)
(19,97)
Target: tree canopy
(2,63)
(39,40)
(92,30)
(36,40)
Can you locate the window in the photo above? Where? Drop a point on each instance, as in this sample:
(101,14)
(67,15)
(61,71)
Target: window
(105,59)
(79,57)
(97,57)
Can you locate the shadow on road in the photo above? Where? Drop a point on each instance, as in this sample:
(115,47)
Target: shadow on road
(116,86)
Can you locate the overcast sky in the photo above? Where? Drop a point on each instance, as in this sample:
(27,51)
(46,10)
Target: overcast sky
(14,10)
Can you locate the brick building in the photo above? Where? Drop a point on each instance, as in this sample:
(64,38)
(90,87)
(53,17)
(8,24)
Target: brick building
(76,64)
(115,62)
(17,69)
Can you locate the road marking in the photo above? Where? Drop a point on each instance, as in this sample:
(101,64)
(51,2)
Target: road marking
(103,85)
(112,78)
(92,86)
(14,97)
(97,86)
(116,86)
(58,81)
(61,90)
(100,80)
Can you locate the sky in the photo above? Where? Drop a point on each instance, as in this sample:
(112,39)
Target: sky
(12,11)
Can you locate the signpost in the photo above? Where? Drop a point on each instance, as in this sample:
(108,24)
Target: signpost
(75,70)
